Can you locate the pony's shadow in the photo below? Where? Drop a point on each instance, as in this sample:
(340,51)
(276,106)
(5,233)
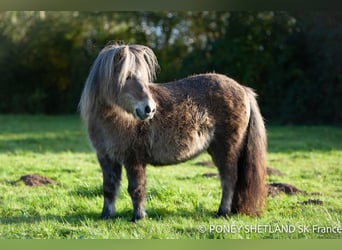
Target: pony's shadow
(153,213)
(156,214)
(160,214)
(76,218)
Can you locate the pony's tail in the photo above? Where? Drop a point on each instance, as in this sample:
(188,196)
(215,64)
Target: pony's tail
(250,193)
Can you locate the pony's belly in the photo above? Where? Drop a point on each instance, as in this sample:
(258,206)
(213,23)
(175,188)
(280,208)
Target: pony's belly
(178,149)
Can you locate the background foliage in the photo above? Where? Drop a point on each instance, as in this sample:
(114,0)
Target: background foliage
(292,59)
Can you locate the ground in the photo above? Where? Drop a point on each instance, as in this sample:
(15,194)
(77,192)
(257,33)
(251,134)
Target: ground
(305,178)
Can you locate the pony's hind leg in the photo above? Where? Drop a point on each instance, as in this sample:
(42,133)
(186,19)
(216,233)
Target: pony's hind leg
(136,188)
(226,162)
(111,172)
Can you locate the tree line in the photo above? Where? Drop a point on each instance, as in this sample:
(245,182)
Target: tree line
(291,59)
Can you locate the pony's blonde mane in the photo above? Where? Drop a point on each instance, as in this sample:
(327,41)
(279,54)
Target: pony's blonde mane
(108,74)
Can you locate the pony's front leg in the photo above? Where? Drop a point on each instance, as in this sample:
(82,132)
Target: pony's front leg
(111,172)
(136,188)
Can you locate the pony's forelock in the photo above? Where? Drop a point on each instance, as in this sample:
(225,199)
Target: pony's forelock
(130,60)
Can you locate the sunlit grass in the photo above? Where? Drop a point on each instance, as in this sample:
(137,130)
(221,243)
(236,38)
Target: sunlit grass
(179,199)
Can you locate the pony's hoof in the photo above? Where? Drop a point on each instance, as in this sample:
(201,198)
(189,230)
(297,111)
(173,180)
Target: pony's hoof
(223,213)
(106,216)
(138,216)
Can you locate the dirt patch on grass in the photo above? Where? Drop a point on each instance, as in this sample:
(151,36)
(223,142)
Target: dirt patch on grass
(36,180)
(275,189)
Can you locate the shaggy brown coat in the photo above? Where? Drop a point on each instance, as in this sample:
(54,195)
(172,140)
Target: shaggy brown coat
(202,112)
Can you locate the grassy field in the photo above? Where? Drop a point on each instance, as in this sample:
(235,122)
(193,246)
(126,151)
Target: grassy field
(181,202)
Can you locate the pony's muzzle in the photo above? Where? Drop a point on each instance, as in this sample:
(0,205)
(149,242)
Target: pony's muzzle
(145,113)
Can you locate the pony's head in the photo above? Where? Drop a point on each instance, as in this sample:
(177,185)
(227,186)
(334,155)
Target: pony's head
(120,76)
(135,98)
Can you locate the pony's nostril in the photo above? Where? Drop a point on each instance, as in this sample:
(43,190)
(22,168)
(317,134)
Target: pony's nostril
(147,109)
(153,110)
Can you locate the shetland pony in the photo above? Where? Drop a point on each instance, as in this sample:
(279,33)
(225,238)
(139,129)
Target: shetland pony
(133,122)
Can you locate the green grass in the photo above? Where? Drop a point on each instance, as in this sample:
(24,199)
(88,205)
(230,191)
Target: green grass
(179,199)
